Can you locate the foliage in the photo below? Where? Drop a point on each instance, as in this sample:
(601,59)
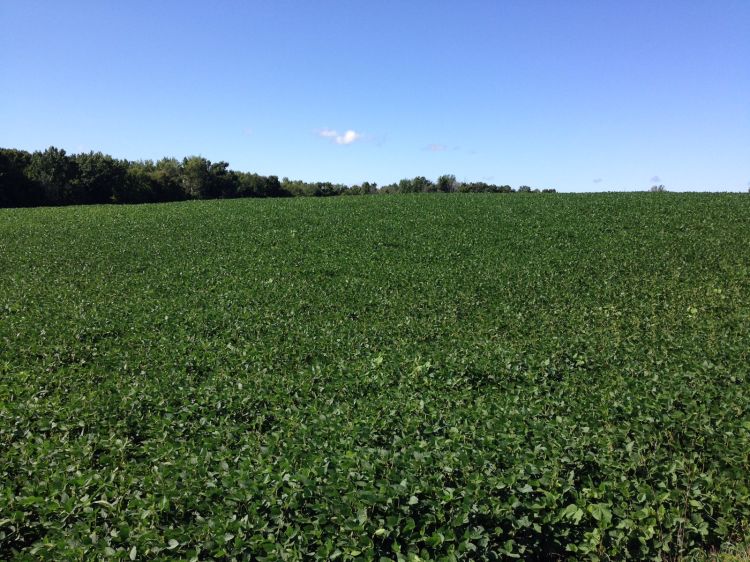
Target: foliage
(53,171)
(376,378)
(447,183)
(52,177)
(16,189)
(95,175)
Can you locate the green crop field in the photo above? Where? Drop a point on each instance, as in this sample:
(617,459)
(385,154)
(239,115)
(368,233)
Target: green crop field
(431,377)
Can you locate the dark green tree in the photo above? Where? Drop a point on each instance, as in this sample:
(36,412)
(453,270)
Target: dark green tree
(54,171)
(167,175)
(16,189)
(273,187)
(222,181)
(447,183)
(98,177)
(196,177)
(421,184)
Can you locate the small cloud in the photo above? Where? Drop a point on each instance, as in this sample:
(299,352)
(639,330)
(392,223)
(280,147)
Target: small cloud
(488,178)
(655,179)
(348,136)
(247,131)
(598,180)
(436,147)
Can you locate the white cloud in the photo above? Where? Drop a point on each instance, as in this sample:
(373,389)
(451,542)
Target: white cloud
(655,179)
(347,137)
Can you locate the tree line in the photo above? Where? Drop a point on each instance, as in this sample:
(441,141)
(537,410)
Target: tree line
(53,177)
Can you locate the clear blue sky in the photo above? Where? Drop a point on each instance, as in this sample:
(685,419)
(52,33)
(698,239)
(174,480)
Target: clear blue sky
(580,96)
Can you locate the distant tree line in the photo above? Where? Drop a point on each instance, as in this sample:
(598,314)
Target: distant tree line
(52,177)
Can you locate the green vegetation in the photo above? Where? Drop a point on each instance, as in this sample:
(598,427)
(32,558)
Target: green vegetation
(52,177)
(390,378)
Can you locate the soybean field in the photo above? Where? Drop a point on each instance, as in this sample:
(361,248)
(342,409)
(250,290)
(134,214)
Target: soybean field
(426,377)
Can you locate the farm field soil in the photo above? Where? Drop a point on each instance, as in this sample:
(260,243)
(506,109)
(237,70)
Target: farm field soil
(390,378)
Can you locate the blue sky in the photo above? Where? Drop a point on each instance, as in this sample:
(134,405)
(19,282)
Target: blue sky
(580,96)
